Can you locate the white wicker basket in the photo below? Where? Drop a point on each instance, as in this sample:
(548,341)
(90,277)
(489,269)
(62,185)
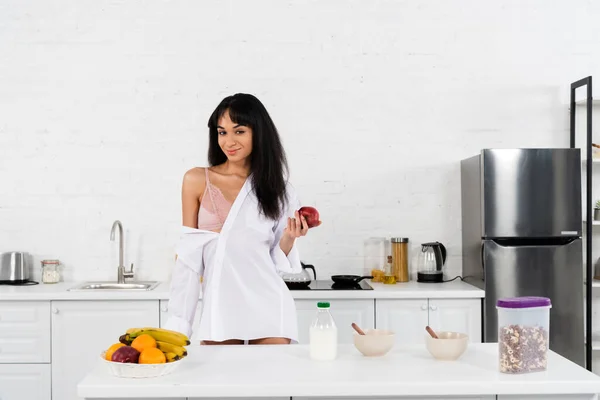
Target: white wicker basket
(130,370)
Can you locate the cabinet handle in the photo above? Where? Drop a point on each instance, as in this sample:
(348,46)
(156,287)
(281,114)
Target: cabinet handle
(54,310)
(164,308)
(424,307)
(433,308)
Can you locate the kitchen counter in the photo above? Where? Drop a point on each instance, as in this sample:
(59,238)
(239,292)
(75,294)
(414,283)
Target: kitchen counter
(409,290)
(287,371)
(60,291)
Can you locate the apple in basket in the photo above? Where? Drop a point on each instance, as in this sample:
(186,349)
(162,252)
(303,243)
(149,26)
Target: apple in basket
(125,354)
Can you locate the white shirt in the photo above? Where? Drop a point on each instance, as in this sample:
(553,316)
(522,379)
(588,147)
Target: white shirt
(243,294)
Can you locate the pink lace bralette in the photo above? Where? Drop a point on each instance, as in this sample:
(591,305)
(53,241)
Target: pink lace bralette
(214,208)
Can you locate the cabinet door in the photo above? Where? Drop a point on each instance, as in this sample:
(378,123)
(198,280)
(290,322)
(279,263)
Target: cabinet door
(456,315)
(164,317)
(24,332)
(81,330)
(25,381)
(407,318)
(344,313)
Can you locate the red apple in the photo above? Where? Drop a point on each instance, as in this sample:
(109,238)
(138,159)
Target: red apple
(126,354)
(311,215)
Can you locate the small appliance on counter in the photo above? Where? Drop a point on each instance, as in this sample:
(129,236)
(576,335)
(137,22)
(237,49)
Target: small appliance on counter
(16,269)
(430,264)
(303,281)
(331,285)
(299,281)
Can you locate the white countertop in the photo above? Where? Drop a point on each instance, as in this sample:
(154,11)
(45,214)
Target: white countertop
(60,291)
(269,371)
(409,290)
(415,290)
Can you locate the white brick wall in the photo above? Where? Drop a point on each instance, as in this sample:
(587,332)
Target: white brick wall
(103,107)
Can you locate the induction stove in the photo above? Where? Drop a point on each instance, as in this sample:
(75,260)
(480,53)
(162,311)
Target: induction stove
(329,285)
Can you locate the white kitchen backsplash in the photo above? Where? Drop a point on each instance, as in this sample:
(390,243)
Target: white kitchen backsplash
(104,108)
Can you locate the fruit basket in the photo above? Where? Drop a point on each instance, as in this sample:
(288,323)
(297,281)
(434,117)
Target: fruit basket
(146,353)
(132,370)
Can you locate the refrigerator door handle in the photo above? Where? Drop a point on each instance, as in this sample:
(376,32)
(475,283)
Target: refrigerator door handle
(482,258)
(559,241)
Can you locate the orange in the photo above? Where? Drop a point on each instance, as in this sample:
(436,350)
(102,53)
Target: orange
(152,356)
(111,350)
(143,342)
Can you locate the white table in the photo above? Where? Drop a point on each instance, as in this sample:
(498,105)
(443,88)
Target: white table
(287,371)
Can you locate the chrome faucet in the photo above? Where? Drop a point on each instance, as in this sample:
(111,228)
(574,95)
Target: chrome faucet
(121,273)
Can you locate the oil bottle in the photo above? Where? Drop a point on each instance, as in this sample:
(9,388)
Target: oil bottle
(389,277)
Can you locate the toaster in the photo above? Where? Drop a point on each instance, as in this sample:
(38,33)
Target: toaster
(15,266)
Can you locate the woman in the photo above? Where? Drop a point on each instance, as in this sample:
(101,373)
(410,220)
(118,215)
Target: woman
(240,229)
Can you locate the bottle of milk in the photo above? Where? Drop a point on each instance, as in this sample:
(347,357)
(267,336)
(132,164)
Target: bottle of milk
(323,334)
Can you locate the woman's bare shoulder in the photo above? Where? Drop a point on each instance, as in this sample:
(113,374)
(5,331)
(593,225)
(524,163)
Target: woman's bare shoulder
(195,178)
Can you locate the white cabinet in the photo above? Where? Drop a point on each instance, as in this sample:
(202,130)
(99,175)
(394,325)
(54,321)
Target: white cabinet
(401,398)
(408,318)
(25,382)
(24,332)
(456,315)
(344,312)
(164,317)
(81,330)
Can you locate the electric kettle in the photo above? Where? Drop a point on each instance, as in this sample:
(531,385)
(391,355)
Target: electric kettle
(300,280)
(430,264)
(15,268)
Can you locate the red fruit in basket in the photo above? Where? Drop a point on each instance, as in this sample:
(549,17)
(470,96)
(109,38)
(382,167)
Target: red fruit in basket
(311,215)
(126,354)
(111,350)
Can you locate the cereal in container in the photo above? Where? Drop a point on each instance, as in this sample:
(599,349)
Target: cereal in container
(523,334)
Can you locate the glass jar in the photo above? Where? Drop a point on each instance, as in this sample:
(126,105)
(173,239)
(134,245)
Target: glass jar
(523,334)
(375,257)
(50,272)
(400,258)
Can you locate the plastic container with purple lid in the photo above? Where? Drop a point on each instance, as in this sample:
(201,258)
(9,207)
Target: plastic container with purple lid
(523,333)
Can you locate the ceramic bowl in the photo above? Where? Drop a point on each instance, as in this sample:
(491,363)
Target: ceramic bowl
(375,342)
(450,345)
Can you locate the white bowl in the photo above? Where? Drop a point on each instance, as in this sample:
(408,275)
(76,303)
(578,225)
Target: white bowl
(131,370)
(375,342)
(450,345)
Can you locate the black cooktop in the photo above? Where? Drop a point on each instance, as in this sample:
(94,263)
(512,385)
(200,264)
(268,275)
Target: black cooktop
(329,285)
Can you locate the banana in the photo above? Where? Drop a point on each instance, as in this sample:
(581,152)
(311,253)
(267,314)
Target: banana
(171,357)
(146,328)
(171,348)
(160,334)
(125,339)
(152,328)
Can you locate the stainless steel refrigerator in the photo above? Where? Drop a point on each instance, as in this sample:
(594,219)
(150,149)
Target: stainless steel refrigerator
(521,236)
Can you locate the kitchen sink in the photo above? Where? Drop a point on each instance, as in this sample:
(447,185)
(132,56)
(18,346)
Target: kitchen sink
(94,286)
